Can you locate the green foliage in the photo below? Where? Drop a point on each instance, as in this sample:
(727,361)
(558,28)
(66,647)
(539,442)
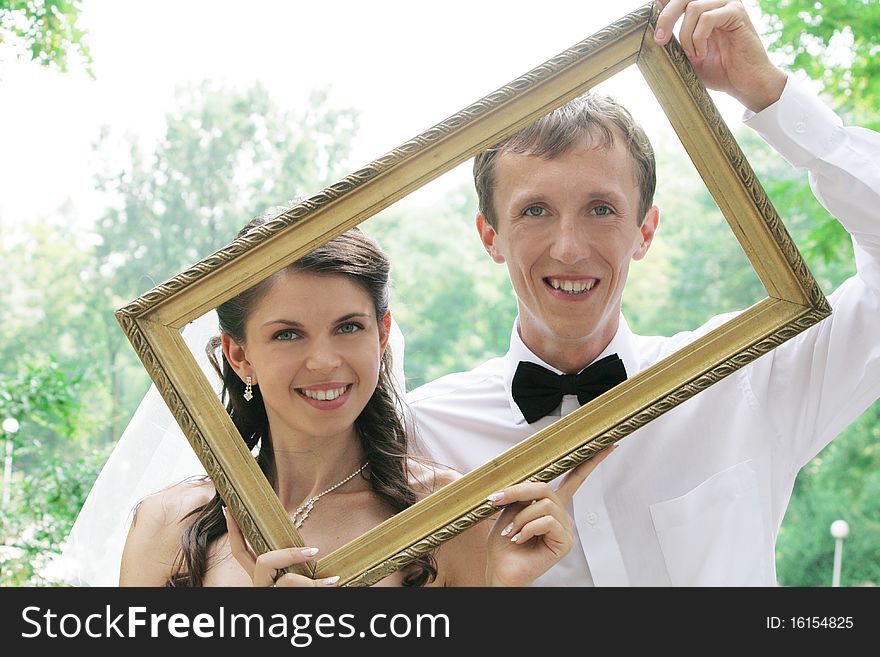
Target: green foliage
(695,269)
(226,156)
(454,305)
(44,29)
(42,509)
(843,482)
(835,42)
(55,312)
(43,395)
(45,300)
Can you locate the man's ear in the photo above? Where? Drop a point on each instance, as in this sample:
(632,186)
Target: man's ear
(384,331)
(647,229)
(237,358)
(487,237)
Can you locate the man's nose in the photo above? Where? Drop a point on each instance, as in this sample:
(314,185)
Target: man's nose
(571,242)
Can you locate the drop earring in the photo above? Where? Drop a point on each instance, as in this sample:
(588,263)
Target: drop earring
(248,391)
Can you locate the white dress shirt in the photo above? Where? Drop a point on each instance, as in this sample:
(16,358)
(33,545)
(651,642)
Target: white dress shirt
(697,496)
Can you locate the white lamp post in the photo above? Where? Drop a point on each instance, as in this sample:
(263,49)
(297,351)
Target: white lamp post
(10,427)
(839,530)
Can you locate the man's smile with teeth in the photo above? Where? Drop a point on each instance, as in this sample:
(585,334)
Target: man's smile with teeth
(572,287)
(323,395)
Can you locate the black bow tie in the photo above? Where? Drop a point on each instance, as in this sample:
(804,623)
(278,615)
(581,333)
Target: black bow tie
(537,390)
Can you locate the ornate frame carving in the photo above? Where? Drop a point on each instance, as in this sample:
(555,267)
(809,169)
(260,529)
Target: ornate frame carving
(794,301)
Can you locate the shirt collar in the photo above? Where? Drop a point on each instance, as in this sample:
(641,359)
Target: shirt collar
(621,344)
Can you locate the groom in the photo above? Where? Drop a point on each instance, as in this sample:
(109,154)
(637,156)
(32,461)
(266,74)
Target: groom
(697,496)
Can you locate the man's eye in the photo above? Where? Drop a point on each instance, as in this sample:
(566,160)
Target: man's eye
(603,210)
(534,211)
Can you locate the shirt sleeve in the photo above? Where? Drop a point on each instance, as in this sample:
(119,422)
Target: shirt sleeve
(814,385)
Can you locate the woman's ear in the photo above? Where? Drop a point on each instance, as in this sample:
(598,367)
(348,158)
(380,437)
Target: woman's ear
(384,332)
(237,358)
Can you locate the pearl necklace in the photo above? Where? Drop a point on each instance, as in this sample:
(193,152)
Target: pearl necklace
(302,511)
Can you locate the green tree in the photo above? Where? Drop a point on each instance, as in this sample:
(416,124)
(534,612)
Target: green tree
(836,43)
(53,310)
(42,394)
(226,156)
(38,508)
(843,482)
(453,304)
(44,29)
(43,508)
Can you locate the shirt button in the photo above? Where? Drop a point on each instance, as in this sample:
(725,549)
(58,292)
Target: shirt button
(800,127)
(592,518)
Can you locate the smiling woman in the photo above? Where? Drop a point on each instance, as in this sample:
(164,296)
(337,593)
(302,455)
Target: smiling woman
(305,365)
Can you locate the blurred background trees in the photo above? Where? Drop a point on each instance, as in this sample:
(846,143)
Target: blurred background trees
(836,43)
(71,381)
(46,31)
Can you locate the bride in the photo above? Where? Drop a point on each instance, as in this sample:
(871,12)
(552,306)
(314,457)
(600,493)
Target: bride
(306,373)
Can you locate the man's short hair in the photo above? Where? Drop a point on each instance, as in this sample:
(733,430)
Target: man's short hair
(598,116)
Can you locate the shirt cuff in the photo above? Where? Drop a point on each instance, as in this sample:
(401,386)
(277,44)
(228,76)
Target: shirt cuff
(798,126)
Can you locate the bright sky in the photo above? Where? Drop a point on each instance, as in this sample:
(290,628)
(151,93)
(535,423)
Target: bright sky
(403,66)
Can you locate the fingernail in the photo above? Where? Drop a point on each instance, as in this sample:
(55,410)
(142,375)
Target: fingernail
(659,34)
(495,497)
(514,539)
(330,581)
(507,530)
(309,552)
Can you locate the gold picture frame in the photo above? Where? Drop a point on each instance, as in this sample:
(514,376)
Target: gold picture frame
(153,321)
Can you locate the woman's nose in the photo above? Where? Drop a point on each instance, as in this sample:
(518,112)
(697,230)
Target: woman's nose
(323,356)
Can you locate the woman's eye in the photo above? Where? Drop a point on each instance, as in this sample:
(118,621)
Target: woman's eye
(286,335)
(350,327)
(534,211)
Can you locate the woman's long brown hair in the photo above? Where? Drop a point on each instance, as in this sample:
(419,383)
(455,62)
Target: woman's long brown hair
(379,426)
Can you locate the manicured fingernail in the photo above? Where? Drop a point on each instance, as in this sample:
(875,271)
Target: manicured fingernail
(330,581)
(507,530)
(495,497)
(514,539)
(309,552)
(659,34)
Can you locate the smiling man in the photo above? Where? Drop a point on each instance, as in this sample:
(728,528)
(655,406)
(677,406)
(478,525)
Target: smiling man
(567,216)
(697,496)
